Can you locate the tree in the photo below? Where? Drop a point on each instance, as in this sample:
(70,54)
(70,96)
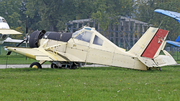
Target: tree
(144,11)
(55,13)
(9,9)
(106,9)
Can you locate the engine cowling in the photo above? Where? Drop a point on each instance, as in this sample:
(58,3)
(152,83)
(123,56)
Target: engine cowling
(34,38)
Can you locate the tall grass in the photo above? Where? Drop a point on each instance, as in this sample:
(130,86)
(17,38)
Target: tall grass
(90,84)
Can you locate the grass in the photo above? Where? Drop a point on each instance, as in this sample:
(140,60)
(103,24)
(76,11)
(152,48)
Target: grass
(90,84)
(15,59)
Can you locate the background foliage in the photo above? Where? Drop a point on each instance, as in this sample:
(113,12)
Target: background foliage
(144,11)
(53,15)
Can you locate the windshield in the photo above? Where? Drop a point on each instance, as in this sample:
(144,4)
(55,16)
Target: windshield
(76,32)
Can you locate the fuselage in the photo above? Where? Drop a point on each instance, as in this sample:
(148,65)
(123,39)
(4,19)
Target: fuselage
(3,25)
(89,46)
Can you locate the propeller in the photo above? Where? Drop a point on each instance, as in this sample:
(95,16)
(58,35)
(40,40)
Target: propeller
(25,39)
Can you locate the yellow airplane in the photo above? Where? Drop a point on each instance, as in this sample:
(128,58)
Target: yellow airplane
(5,31)
(89,46)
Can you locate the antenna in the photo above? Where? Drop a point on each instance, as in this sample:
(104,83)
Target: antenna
(160,24)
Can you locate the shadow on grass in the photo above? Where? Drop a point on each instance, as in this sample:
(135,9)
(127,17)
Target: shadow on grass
(116,68)
(164,69)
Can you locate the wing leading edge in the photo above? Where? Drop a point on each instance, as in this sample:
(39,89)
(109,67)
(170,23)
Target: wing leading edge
(9,31)
(172,14)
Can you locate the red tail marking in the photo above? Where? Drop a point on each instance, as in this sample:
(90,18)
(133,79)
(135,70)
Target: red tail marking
(155,44)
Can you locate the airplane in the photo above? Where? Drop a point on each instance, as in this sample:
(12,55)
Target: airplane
(174,15)
(5,31)
(68,50)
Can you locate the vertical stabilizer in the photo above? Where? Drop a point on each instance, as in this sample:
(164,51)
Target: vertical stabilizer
(178,39)
(150,43)
(141,45)
(149,46)
(155,44)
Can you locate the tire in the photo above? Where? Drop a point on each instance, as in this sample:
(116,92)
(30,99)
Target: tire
(36,65)
(53,65)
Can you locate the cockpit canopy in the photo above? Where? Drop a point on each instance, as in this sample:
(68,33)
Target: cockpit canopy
(84,34)
(2,20)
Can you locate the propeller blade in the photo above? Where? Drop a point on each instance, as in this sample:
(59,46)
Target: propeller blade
(9,53)
(20,43)
(26,30)
(26,39)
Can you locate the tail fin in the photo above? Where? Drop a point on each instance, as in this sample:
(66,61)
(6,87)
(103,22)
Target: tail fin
(178,39)
(149,46)
(150,43)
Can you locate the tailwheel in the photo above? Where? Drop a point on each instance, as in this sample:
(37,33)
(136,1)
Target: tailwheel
(36,65)
(53,65)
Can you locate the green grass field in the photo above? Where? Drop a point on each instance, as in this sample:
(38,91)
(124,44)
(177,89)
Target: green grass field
(90,84)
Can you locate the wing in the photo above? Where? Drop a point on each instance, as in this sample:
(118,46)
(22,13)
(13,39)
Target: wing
(172,14)
(13,40)
(41,54)
(9,31)
(177,44)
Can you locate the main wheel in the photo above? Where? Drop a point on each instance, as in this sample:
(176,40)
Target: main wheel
(53,65)
(36,65)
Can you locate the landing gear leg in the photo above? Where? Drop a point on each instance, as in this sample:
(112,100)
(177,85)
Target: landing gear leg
(148,68)
(53,65)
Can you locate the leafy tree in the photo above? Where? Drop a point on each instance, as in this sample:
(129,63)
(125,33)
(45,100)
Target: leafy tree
(9,9)
(54,14)
(106,9)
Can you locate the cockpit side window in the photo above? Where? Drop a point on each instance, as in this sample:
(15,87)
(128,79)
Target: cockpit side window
(84,36)
(4,20)
(97,41)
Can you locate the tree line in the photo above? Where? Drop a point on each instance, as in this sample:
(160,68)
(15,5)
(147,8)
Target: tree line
(54,14)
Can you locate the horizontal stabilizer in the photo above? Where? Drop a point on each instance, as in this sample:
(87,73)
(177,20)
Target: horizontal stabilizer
(177,44)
